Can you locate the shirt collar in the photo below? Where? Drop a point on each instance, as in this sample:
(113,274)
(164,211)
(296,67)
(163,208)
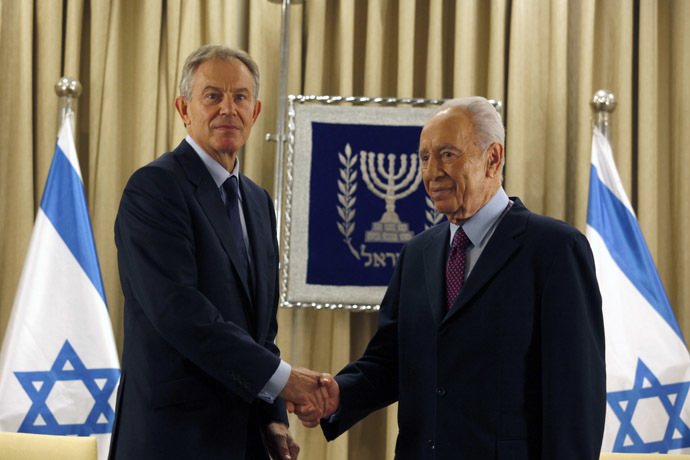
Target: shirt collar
(217,171)
(477,226)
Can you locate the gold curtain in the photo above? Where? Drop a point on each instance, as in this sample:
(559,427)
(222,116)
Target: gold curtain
(543,59)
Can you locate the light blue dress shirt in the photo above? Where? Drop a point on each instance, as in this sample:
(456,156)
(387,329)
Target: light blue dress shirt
(481,226)
(219,174)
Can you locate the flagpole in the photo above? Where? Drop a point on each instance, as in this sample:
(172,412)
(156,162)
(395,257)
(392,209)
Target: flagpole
(647,360)
(59,333)
(603,104)
(68,90)
(280,138)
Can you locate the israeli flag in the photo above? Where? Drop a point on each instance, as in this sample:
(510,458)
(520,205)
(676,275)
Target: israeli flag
(647,362)
(58,365)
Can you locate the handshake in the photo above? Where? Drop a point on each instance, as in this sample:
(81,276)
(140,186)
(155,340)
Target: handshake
(311,395)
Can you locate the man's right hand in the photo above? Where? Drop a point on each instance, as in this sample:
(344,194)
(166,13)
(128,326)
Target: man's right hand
(331,394)
(304,395)
(332,388)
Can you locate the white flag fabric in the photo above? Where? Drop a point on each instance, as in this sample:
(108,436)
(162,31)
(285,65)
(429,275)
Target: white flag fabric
(59,367)
(647,362)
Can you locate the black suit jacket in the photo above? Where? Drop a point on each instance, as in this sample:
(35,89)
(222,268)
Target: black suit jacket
(514,371)
(199,335)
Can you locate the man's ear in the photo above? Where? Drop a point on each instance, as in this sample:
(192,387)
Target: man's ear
(257,111)
(494,158)
(182,107)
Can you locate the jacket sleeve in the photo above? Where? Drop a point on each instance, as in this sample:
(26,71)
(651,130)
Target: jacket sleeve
(371,382)
(158,266)
(273,412)
(573,367)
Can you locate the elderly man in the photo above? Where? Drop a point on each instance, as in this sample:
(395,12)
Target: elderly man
(490,335)
(198,260)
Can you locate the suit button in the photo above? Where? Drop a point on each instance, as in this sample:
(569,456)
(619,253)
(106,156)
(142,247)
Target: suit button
(432,446)
(440,391)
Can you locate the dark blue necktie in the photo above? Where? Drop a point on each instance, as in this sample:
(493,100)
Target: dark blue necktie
(232,205)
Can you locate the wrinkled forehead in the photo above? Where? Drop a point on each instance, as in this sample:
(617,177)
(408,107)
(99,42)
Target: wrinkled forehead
(223,73)
(451,126)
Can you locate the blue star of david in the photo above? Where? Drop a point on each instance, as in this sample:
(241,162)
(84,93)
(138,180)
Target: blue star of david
(673,409)
(61,372)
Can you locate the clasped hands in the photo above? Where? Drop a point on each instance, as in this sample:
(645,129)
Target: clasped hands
(311,395)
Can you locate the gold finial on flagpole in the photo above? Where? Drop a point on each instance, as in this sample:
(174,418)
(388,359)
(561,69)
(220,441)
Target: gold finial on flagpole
(603,103)
(68,90)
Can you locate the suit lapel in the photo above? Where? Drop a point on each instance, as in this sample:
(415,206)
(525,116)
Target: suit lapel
(498,251)
(209,199)
(435,250)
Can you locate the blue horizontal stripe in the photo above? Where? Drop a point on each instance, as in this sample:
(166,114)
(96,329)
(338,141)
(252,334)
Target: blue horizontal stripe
(623,238)
(64,203)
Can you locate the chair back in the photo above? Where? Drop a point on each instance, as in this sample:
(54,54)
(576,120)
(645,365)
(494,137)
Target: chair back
(25,446)
(618,456)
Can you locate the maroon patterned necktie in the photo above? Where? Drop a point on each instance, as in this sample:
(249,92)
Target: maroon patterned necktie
(455,270)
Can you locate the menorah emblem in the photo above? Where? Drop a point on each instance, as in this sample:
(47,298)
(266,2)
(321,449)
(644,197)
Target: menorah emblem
(389,229)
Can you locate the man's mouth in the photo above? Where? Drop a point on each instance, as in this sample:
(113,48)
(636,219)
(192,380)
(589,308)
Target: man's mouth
(440,190)
(227,128)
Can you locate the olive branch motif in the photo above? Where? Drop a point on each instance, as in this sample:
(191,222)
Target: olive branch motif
(432,215)
(347,187)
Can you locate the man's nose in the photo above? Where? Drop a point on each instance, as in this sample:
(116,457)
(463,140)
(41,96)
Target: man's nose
(434,167)
(228,107)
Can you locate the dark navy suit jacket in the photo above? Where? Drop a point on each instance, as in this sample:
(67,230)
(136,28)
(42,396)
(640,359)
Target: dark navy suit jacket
(199,335)
(514,371)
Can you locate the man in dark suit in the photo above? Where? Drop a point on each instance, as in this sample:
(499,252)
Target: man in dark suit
(198,259)
(490,335)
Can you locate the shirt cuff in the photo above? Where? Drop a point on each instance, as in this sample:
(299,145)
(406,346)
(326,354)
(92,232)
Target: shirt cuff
(276,383)
(335,416)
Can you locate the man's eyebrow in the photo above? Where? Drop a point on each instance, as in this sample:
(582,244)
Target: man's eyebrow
(439,148)
(236,90)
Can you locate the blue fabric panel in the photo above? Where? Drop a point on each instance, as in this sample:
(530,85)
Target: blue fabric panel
(332,260)
(623,238)
(64,203)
